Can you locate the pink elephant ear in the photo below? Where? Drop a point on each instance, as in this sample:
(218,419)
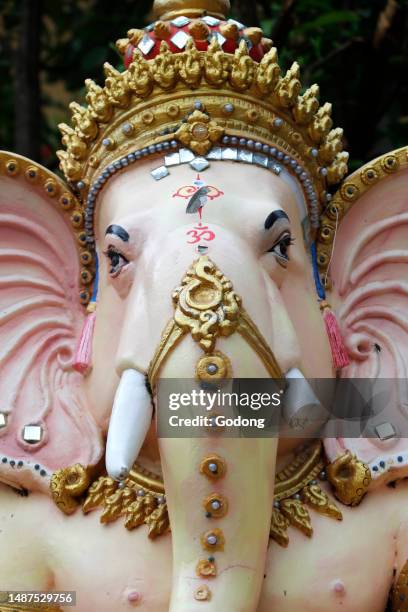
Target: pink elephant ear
(44,420)
(369,273)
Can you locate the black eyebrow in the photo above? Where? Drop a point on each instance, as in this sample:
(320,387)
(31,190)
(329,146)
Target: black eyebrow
(275,216)
(118,231)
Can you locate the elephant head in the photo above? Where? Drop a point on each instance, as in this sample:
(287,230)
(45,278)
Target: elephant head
(146,249)
(197,179)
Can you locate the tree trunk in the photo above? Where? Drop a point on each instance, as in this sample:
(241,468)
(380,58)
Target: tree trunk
(27,131)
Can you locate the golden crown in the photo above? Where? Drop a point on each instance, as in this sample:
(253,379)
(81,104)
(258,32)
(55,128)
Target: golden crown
(194,80)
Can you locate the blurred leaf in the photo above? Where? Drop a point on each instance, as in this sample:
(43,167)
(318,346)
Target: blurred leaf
(330,19)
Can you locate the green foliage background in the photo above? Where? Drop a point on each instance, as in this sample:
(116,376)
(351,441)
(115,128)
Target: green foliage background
(356,51)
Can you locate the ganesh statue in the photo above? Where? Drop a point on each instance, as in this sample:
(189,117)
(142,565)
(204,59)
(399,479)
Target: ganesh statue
(205,231)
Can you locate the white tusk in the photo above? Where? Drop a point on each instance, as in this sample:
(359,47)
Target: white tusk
(302,410)
(129,423)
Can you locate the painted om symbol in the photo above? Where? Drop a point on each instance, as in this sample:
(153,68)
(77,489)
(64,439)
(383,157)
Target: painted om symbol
(200,232)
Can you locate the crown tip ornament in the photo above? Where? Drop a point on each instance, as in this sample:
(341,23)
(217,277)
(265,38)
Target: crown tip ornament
(171,9)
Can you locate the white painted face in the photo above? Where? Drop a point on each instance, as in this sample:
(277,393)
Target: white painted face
(250,228)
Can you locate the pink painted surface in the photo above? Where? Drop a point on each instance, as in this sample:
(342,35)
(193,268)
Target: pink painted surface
(370,276)
(40,320)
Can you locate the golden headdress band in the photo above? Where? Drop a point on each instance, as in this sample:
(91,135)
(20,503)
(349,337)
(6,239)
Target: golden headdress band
(199,82)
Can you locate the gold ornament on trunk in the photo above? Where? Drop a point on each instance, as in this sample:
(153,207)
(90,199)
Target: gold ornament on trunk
(207,307)
(141,498)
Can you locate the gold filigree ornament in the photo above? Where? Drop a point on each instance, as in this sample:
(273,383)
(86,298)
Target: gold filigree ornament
(293,122)
(199,133)
(67,485)
(99,137)
(207,307)
(141,500)
(296,490)
(350,478)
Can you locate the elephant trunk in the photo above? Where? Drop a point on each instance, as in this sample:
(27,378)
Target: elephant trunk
(219,498)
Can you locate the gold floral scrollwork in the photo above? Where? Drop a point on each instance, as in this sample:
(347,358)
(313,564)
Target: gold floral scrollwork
(279,527)
(322,123)
(116,86)
(135,501)
(82,119)
(117,503)
(139,510)
(206,304)
(350,478)
(158,521)
(242,68)
(297,515)
(295,488)
(268,72)
(67,485)
(100,488)
(317,499)
(98,101)
(76,147)
(164,70)
(307,105)
(338,169)
(199,133)
(141,500)
(139,76)
(207,307)
(70,167)
(216,64)
(332,146)
(289,86)
(189,65)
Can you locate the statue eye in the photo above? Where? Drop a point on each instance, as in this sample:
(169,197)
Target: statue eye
(117,261)
(281,248)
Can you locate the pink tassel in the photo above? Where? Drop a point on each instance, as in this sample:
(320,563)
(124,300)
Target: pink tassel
(83,355)
(339,351)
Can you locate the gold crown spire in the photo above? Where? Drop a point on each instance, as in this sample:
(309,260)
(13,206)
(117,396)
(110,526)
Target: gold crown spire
(169,9)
